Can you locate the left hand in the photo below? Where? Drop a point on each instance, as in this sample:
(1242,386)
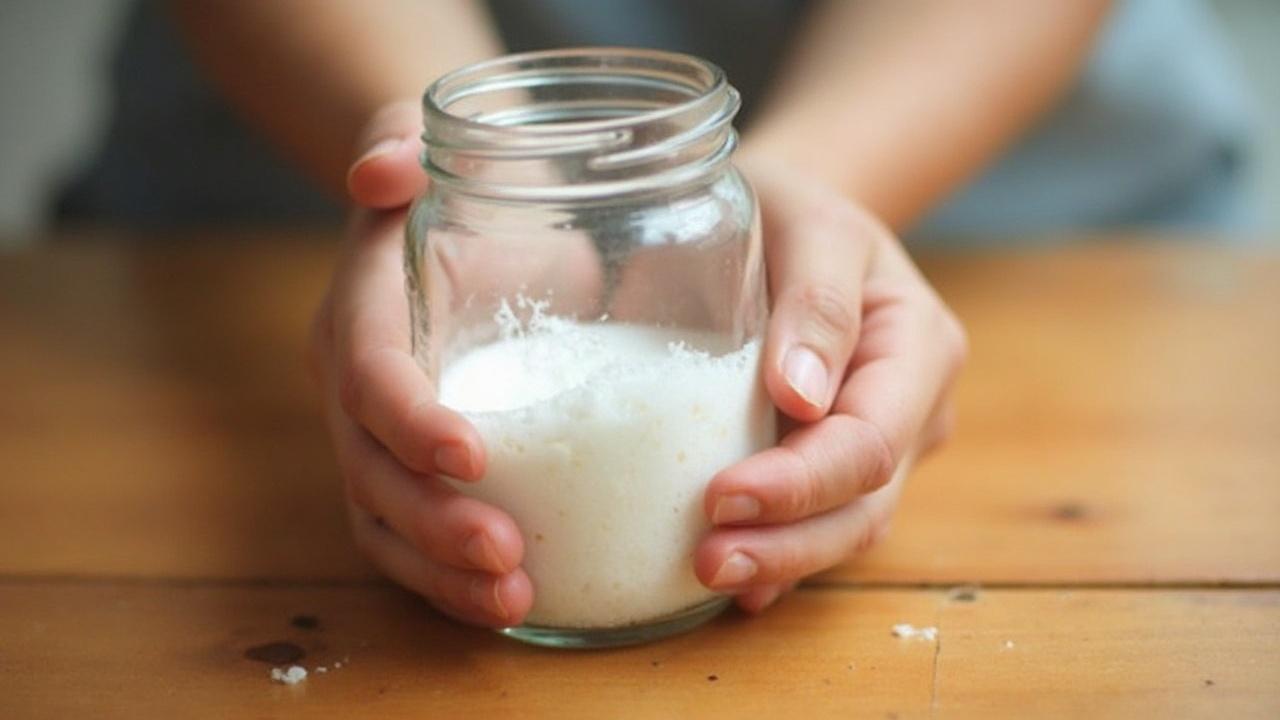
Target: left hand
(861,353)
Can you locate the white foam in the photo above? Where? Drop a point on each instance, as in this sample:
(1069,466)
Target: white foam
(601,439)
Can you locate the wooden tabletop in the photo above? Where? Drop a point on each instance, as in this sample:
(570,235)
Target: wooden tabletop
(1100,539)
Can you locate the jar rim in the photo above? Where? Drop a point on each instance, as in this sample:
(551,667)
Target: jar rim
(609,109)
(436,102)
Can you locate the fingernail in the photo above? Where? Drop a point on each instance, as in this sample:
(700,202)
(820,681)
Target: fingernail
(737,569)
(480,552)
(806,374)
(485,594)
(381,148)
(454,460)
(735,508)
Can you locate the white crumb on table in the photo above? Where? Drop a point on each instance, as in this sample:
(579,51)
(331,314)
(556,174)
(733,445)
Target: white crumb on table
(907,631)
(322,669)
(1008,644)
(292,676)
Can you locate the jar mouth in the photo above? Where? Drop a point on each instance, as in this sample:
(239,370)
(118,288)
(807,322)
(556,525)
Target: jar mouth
(570,121)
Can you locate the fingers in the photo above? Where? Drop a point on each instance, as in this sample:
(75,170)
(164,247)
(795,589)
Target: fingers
(755,558)
(815,468)
(382,386)
(472,597)
(459,553)
(818,255)
(855,332)
(438,521)
(387,392)
(910,352)
(387,172)
(894,403)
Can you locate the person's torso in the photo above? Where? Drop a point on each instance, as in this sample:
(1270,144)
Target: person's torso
(1151,132)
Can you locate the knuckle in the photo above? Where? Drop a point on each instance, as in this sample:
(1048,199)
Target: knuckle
(354,386)
(870,530)
(883,460)
(873,446)
(407,441)
(803,492)
(792,561)
(872,523)
(828,310)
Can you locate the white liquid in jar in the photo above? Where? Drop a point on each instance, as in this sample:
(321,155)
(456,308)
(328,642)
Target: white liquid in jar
(601,440)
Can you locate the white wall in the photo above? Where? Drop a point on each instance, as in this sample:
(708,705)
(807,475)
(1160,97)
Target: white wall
(54,62)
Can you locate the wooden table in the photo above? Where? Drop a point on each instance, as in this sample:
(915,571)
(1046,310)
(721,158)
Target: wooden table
(1101,538)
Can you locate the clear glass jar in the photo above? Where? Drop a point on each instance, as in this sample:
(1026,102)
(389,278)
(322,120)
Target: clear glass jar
(587,286)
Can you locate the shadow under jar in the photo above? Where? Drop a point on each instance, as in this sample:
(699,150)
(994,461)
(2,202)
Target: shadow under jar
(587,287)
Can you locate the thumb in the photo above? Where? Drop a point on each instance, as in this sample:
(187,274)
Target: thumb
(817,261)
(387,173)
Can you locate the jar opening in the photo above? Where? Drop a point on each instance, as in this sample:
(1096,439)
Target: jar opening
(578,123)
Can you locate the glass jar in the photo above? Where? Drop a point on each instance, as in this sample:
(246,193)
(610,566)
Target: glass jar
(587,287)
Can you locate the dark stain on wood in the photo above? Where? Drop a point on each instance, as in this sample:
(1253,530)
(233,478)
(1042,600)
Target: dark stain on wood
(1069,512)
(305,622)
(276,653)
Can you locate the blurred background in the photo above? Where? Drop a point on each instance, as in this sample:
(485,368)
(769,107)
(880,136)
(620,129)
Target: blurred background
(55,63)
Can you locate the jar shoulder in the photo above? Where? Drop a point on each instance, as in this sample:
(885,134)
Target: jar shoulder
(719,206)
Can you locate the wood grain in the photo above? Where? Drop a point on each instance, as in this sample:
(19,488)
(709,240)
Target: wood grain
(153,650)
(147,651)
(158,398)
(1109,654)
(168,501)
(1119,419)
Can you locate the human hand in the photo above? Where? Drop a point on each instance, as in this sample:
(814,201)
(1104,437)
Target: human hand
(833,269)
(390,435)
(861,353)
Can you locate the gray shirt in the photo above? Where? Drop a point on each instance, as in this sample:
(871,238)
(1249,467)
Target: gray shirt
(1153,132)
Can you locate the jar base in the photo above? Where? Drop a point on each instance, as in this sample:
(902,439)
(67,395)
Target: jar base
(592,638)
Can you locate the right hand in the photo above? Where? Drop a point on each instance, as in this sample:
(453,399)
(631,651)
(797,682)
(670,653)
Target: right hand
(391,437)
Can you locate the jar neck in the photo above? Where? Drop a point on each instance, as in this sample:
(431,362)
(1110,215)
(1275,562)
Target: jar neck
(578,124)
